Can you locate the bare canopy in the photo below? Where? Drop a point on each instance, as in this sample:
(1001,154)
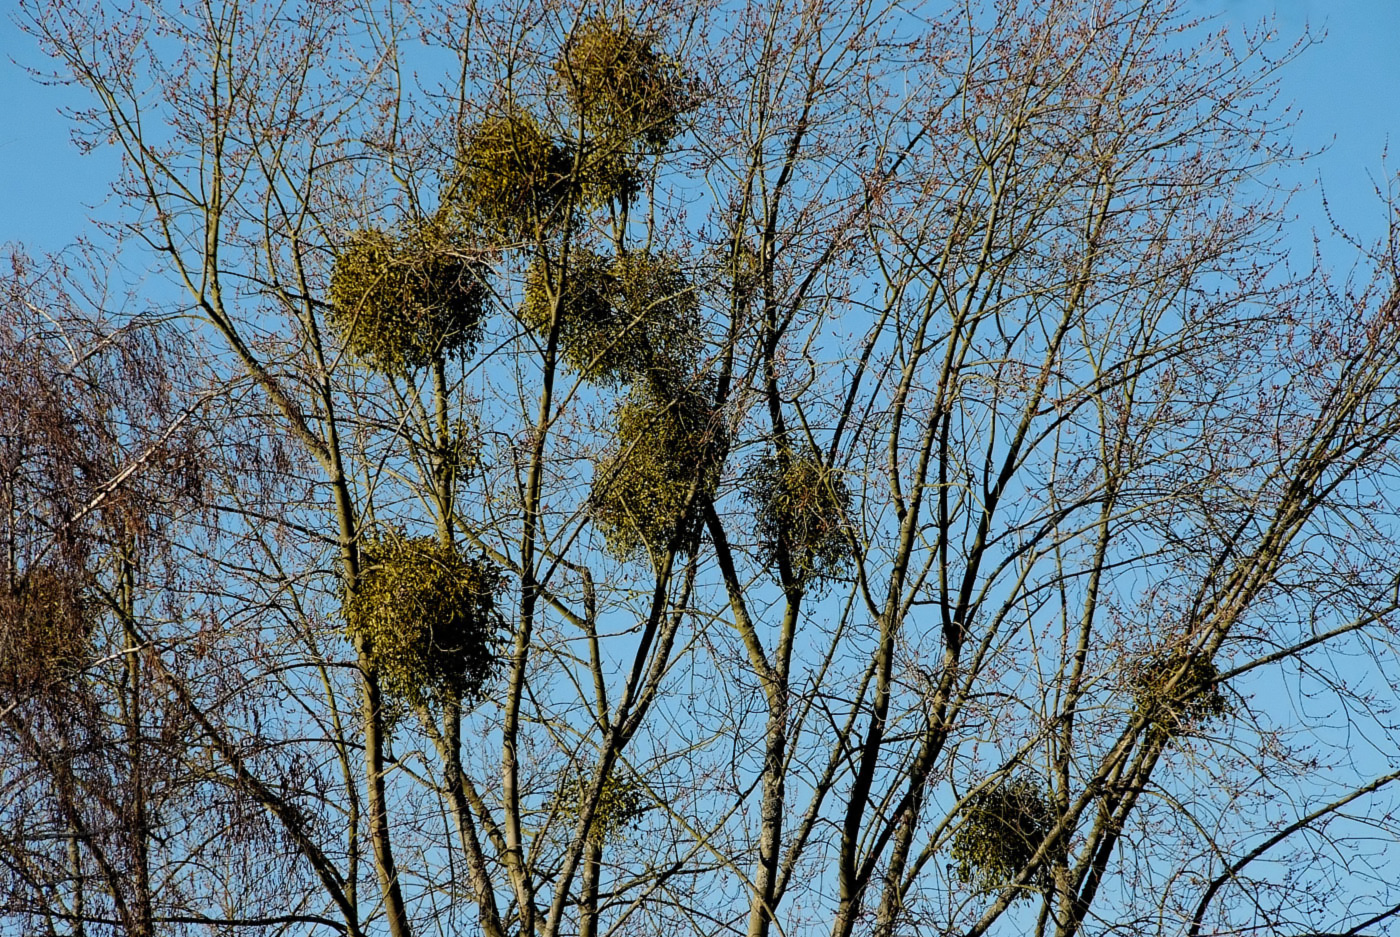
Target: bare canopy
(772,468)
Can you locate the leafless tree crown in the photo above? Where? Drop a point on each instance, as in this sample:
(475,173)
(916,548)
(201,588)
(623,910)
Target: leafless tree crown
(771,468)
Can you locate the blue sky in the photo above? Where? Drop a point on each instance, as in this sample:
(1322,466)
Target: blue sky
(1347,90)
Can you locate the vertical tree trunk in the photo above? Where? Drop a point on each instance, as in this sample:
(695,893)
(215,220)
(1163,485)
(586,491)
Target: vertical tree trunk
(588,888)
(137,832)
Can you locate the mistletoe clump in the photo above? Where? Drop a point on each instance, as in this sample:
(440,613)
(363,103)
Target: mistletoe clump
(619,320)
(1177,692)
(427,617)
(668,458)
(800,508)
(399,302)
(621,86)
(513,178)
(741,272)
(628,95)
(620,804)
(459,455)
(586,315)
(655,294)
(46,625)
(1001,829)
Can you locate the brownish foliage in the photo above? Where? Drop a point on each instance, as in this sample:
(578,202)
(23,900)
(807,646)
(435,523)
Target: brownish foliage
(46,624)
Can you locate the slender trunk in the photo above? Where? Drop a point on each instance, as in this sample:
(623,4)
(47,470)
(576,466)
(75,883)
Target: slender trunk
(372,711)
(520,647)
(444,467)
(75,864)
(449,749)
(588,886)
(380,833)
(371,701)
(761,906)
(137,820)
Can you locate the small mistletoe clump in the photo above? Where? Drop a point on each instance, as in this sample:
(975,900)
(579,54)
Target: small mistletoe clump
(461,456)
(513,179)
(1178,692)
(1001,829)
(427,616)
(740,272)
(800,506)
(397,303)
(628,95)
(46,625)
(669,455)
(620,804)
(620,320)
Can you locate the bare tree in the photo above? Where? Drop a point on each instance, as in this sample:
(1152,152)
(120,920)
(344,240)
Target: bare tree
(113,818)
(779,468)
